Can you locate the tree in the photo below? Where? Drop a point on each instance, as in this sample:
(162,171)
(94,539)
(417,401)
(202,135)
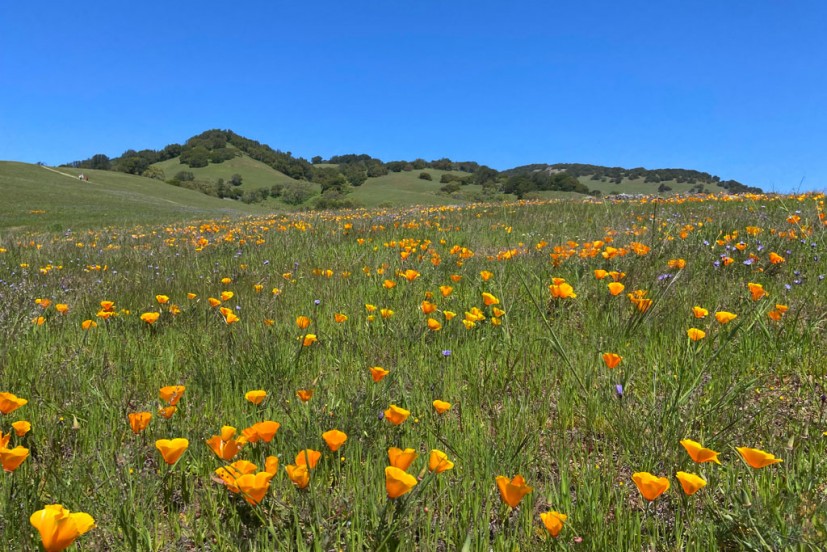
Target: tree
(154,172)
(296,193)
(236,179)
(317,159)
(425,176)
(198,156)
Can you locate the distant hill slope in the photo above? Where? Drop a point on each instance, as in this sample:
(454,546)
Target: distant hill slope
(255,174)
(35,198)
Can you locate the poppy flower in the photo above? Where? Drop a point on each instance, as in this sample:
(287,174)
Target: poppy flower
(271,464)
(690,482)
(456,277)
(698,453)
(441,407)
(396,415)
(485,275)
(299,475)
(150,317)
(756,291)
(562,291)
(229,474)
(446,290)
(757,458)
(12,458)
(304,394)
(695,334)
(489,299)
(254,487)
(264,431)
(398,482)
(229,316)
(43,303)
(162,299)
(139,421)
(377,373)
(388,284)
(334,439)
(58,527)
(699,312)
(87,324)
(370,308)
(167,411)
(258,288)
(21,428)
(309,340)
(172,449)
(434,325)
(339,318)
(386,313)
(512,491)
(616,288)
(438,462)
(724,317)
(612,360)
(256,397)
(650,486)
(191,296)
(10,402)
(224,445)
(308,457)
(600,274)
(171,394)
(213,301)
(227,295)
(401,459)
(427,307)
(303,322)
(676,263)
(775,258)
(553,522)
(39,321)
(410,275)
(226,281)
(107,306)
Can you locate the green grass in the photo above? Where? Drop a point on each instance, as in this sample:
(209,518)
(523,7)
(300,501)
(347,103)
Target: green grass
(639,186)
(406,188)
(255,173)
(39,199)
(530,396)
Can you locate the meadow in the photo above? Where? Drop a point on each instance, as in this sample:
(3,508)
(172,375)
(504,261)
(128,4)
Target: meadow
(543,361)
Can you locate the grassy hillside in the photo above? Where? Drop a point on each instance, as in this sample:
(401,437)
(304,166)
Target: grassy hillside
(406,188)
(255,173)
(35,198)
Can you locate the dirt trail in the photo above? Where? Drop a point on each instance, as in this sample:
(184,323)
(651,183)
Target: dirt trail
(58,172)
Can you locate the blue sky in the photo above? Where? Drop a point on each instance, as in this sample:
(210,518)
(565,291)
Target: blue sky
(733,88)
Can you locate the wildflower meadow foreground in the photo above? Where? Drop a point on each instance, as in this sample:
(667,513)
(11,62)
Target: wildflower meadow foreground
(598,375)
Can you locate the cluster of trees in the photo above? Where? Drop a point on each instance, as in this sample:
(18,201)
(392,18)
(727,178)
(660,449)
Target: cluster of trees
(521,184)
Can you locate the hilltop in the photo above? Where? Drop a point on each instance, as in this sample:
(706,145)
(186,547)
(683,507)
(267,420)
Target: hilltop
(224,164)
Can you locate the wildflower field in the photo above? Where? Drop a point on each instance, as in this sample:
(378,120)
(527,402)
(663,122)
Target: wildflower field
(599,375)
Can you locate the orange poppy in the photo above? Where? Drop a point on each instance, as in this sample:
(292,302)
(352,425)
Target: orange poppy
(10,402)
(401,459)
(650,486)
(512,491)
(172,449)
(171,394)
(377,373)
(396,415)
(58,527)
(757,458)
(139,421)
(308,457)
(256,397)
(12,458)
(299,475)
(441,407)
(334,439)
(304,394)
(698,453)
(438,462)
(398,482)
(612,360)
(553,521)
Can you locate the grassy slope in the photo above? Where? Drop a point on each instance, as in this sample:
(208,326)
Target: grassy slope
(255,173)
(406,188)
(108,196)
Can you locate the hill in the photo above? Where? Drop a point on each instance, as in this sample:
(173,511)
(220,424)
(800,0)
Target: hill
(39,198)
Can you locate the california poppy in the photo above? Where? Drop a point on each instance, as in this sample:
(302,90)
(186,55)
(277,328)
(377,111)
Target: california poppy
(612,360)
(139,421)
(162,299)
(398,482)
(427,307)
(172,449)
(21,427)
(438,462)
(396,415)
(690,482)
(446,290)
(225,446)
(650,486)
(486,275)
(150,317)
(229,316)
(299,475)
(377,373)
(309,340)
(254,487)
(512,491)
(699,312)
(698,453)
(12,458)
(616,288)
(441,407)
(334,439)
(271,464)
(308,457)
(256,397)
(171,394)
(87,324)
(10,402)
(489,299)
(553,522)
(756,291)
(600,273)
(401,459)
(264,431)
(167,412)
(303,322)
(230,473)
(757,458)
(58,527)
(695,334)
(724,317)
(304,394)
(227,295)
(775,258)
(339,318)
(434,325)
(562,291)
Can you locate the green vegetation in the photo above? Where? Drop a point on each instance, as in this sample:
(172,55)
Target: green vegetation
(520,364)
(38,198)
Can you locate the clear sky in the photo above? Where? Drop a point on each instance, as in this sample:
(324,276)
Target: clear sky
(735,88)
